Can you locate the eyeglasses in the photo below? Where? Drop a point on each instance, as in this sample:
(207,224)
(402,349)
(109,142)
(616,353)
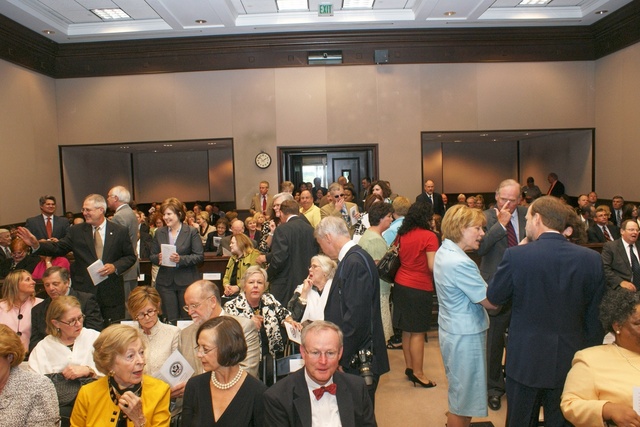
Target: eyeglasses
(195,305)
(330,355)
(148,313)
(203,351)
(17,253)
(337,196)
(73,322)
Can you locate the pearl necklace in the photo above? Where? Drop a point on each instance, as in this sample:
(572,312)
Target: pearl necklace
(217,384)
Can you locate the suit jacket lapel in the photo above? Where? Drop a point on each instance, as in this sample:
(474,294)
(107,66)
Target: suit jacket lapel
(301,399)
(345,402)
(522,224)
(108,239)
(88,236)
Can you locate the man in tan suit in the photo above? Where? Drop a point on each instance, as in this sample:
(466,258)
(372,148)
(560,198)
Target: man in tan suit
(202,298)
(262,201)
(339,207)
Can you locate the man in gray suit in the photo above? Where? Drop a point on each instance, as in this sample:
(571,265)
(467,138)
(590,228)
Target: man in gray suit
(118,200)
(620,258)
(202,299)
(505,228)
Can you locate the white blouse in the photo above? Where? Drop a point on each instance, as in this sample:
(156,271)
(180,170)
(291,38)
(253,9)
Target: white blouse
(51,356)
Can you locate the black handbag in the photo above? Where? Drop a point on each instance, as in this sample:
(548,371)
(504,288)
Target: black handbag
(390,263)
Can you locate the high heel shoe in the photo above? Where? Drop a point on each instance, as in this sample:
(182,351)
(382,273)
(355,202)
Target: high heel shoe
(409,373)
(428,384)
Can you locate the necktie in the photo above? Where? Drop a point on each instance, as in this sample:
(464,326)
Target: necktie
(430,198)
(320,391)
(7,251)
(49,227)
(97,242)
(512,240)
(635,268)
(607,236)
(619,215)
(264,205)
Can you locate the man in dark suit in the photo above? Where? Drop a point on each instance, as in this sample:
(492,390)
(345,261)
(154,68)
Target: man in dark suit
(5,241)
(619,263)
(339,399)
(555,287)
(56,283)
(354,299)
(508,218)
(87,240)
(118,200)
(556,188)
(429,196)
(616,210)
(224,248)
(46,225)
(292,248)
(602,231)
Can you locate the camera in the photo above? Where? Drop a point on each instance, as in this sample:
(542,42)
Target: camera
(362,361)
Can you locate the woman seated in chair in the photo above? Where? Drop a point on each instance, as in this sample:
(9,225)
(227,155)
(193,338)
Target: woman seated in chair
(262,308)
(225,394)
(18,298)
(66,351)
(161,339)
(309,298)
(243,256)
(222,230)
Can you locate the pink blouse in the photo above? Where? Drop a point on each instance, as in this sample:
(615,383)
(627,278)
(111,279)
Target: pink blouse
(19,319)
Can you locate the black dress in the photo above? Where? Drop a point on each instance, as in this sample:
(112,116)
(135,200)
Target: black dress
(246,408)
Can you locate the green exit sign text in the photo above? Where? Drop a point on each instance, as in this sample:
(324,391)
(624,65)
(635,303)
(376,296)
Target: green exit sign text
(325,9)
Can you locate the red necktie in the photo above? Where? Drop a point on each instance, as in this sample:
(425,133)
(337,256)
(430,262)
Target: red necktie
(49,227)
(264,205)
(319,392)
(606,234)
(512,240)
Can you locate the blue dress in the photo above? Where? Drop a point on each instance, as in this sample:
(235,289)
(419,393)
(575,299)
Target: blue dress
(462,323)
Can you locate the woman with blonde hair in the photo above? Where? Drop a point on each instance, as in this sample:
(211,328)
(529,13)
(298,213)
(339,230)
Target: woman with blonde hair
(243,256)
(125,395)
(27,399)
(462,315)
(18,298)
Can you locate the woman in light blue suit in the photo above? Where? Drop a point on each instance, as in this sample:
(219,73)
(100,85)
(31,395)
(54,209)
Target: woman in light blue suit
(171,282)
(462,316)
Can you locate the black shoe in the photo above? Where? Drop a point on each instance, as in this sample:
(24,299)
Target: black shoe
(409,373)
(428,384)
(494,403)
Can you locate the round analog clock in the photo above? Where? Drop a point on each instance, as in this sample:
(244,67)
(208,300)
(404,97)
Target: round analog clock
(263,160)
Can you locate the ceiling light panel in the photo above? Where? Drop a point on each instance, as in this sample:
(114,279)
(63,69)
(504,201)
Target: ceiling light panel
(292,5)
(357,4)
(111,14)
(534,2)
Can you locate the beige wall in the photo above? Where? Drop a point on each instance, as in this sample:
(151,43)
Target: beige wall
(262,109)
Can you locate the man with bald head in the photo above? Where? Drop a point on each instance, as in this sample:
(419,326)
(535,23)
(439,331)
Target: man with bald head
(505,228)
(430,196)
(236,227)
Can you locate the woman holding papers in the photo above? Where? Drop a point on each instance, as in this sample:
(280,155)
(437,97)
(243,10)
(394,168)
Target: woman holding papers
(161,339)
(124,396)
(177,249)
(225,395)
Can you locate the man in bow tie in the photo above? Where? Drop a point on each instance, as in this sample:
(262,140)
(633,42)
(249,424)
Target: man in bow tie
(319,394)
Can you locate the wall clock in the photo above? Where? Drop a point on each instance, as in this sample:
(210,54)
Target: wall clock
(263,160)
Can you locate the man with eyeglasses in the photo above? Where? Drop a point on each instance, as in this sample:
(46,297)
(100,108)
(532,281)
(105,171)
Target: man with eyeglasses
(319,394)
(340,208)
(202,299)
(505,228)
(95,239)
(56,284)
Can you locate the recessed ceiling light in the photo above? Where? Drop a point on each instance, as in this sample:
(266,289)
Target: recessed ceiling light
(48,32)
(201,21)
(357,4)
(601,12)
(167,145)
(533,2)
(110,14)
(289,5)
(484,134)
(451,13)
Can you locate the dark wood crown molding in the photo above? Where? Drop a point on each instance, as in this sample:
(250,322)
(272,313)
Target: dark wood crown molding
(523,44)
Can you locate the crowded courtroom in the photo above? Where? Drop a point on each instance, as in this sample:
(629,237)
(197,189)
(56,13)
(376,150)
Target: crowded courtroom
(319,213)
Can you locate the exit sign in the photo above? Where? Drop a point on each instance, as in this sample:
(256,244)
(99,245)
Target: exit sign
(325,9)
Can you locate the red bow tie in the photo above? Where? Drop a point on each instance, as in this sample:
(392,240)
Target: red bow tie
(331,389)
